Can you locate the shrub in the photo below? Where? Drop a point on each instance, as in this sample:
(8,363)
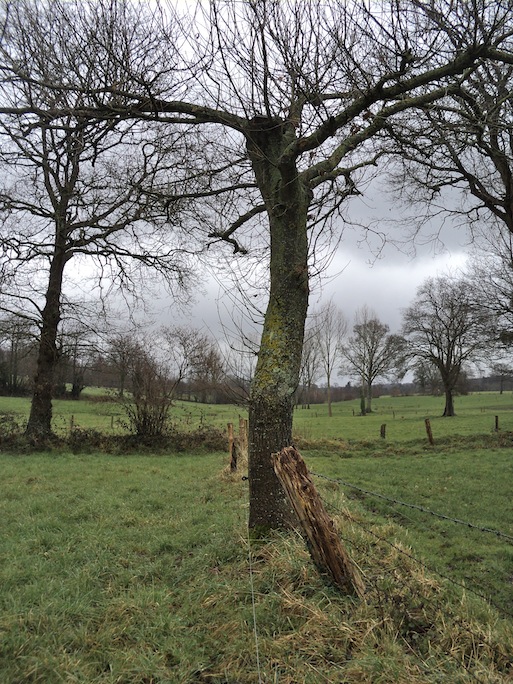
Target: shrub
(11,428)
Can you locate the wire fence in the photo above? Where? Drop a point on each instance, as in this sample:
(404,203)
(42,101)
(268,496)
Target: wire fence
(369,532)
(469,585)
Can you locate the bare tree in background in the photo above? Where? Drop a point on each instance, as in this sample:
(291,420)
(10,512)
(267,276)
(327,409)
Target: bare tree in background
(446,328)
(291,100)
(370,353)
(17,346)
(310,365)
(71,186)
(490,275)
(330,331)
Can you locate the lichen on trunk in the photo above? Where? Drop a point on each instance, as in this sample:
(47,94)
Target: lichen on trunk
(40,419)
(279,360)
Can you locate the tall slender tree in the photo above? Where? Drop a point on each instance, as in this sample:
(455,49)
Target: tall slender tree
(331,328)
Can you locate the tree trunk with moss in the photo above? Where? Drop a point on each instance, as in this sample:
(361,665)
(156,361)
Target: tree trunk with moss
(279,359)
(40,419)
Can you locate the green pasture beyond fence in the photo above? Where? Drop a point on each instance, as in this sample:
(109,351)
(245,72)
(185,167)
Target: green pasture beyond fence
(404,417)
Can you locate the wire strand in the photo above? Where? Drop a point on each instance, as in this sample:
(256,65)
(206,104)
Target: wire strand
(416,507)
(253,603)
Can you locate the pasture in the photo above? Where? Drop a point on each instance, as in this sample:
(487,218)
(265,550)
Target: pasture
(137,569)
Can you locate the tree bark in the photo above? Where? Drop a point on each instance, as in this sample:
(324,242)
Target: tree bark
(368,407)
(449,403)
(330,410)
(279,360)
(40,419)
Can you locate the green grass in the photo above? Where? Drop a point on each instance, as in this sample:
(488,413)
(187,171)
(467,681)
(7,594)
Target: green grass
(134,569)
(404,418)
(471,486)
(109,417)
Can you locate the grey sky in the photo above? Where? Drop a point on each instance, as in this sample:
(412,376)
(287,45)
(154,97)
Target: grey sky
(356,277)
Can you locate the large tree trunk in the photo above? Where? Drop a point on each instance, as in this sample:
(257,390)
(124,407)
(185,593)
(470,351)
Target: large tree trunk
(279,359)
(40,420)
(449,403)
(449,374)
(368,406)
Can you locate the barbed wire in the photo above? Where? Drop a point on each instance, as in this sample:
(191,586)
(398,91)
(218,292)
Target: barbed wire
(416,507)
(430,569)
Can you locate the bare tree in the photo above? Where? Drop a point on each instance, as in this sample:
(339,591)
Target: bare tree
(370,353)
(120,349)
(71,186)
(310,365)
(152,393)
(446,328)
(208,374)
(490,276)
(455,157)
(76,346)
(427,377)
(330,330)
(17,344)
(291,100)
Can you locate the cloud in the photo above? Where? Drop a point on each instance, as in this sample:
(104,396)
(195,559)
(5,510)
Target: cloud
(386,286)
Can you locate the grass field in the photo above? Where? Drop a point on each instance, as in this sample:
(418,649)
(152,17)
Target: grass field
(136,569)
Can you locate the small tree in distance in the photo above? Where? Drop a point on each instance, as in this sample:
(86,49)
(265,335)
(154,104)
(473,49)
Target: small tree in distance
(310,367)
(446,328)
(370,353)
(152,395)
(154,370)
(331,328)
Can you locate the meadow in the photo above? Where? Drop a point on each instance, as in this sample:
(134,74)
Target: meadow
(137,569)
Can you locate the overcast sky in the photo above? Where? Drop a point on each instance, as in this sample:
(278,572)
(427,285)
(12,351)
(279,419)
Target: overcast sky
(356,277)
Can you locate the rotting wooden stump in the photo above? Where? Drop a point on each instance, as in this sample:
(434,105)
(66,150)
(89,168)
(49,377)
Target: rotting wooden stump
(324,543)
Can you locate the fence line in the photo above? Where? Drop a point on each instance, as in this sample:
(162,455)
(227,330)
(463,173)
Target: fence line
(416,507)
(432,570)
(429,569)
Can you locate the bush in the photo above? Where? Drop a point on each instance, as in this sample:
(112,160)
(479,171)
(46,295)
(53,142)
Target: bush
(87,440)
(12,428)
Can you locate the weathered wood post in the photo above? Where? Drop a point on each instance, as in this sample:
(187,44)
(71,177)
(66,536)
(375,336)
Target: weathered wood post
(324,543)
(383,431)
(243,435)
(496,423)
(231,451)
(429,431)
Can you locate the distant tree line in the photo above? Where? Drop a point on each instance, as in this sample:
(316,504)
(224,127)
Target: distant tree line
(454,329)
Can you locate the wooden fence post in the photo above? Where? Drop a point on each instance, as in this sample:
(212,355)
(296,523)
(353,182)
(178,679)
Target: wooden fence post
(231,450)
(324,543)
(243,435)
(429,431)
(383,431)
(496,423)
